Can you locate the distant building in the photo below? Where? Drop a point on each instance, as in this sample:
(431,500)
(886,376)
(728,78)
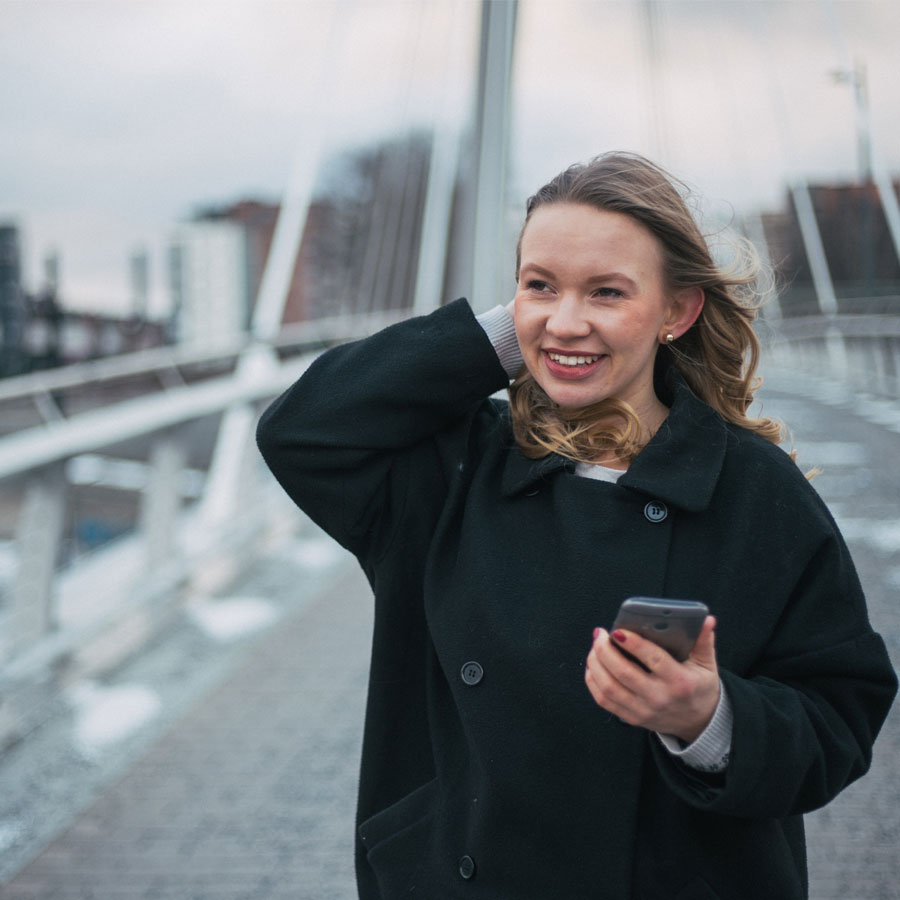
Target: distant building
(12,302)
(56,336)
(216,268)
(258,220)
(208,273)
(862,259)
(139,273)
(359,251)
(37,332)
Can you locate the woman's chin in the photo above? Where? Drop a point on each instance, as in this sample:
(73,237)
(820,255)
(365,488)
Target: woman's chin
(571,397)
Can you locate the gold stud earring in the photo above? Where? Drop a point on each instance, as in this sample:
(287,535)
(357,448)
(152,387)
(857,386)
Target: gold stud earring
(670,337)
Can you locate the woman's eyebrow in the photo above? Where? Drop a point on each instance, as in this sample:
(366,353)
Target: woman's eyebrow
(593,279)
(612,276)
(538,270)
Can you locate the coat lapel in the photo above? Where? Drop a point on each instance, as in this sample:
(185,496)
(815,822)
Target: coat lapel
(521,474)
(681,465)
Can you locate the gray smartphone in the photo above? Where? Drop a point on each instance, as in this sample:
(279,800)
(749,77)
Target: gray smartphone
(673,624)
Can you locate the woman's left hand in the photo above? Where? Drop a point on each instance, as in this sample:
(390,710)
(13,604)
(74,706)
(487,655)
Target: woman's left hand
(672,698)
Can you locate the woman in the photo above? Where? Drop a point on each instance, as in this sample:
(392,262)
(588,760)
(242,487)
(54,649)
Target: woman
(498,761)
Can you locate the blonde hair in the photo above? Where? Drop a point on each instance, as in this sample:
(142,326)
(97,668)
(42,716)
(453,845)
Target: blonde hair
(717,356)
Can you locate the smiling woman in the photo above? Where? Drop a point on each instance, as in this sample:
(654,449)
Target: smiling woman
(612,267)
(593,306)
(500,759)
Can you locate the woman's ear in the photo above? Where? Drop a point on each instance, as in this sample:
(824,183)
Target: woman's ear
(683,312)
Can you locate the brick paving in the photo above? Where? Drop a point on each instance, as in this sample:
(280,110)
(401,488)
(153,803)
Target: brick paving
(854,842)
(250,794)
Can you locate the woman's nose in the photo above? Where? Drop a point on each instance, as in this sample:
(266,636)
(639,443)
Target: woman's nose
(567,318)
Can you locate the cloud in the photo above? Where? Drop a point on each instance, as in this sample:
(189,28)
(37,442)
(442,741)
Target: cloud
(128,114)
(591,79)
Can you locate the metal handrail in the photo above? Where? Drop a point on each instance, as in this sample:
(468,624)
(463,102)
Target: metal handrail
(262,376)
(125,365)
(810,327)
(35,447)
(323,331)
(87,431)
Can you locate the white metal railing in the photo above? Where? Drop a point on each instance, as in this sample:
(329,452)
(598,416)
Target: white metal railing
(39,631)
(53,614)
(143,362)
(861,350)
(167,366)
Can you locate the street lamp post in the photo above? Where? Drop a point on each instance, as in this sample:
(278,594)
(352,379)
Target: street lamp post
(858,80)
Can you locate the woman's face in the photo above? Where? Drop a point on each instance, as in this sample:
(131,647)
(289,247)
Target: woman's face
(591,306)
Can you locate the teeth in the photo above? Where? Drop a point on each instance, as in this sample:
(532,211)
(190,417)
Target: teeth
(572,360)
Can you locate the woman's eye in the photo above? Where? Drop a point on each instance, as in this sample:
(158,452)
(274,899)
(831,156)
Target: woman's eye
(608,292)
(538,286)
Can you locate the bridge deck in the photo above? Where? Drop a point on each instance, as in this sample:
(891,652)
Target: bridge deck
(240,780)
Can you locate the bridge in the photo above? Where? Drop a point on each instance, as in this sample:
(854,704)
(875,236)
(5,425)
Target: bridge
(182,654)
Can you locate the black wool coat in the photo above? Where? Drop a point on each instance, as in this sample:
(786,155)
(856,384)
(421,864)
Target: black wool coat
(488,771)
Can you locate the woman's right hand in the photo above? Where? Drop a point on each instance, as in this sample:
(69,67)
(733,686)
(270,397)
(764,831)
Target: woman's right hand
(511,308)
(665,696)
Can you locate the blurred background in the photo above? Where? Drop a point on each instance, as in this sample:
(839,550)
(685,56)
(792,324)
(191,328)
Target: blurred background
(135,134)
(196,197)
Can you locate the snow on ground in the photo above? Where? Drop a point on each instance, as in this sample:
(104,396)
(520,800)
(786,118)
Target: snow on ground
(107,715)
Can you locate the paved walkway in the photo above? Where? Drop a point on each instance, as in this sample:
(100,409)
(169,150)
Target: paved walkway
(249,792)
(854,842)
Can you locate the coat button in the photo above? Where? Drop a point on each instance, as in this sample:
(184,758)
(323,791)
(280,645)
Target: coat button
(471,673)
(467,867)
(655,511)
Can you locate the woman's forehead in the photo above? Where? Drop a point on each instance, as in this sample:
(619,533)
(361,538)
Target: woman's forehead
(581,236)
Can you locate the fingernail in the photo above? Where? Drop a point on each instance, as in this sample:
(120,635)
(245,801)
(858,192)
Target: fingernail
(619,636)
(596,633)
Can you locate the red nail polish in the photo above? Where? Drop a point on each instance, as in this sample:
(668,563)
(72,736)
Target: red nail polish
(596,633)
(619,636)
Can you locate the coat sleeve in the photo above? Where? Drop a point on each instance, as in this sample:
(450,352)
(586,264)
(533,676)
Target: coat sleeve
(342,439)
(808,711)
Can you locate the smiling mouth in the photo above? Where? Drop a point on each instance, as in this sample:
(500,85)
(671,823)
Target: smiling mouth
(576,360)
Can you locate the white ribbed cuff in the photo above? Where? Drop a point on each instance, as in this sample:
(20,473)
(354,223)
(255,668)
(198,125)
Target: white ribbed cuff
(710,752)
(498,325)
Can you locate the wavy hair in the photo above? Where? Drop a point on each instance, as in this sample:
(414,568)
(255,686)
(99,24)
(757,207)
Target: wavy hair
(717,356)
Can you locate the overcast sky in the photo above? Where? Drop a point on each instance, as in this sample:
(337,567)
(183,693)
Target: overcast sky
(120,117)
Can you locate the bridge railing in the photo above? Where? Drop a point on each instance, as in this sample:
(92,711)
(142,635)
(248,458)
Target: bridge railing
(165,439)
(861,350)
(72,603)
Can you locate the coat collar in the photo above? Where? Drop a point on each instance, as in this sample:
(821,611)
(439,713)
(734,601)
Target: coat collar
(679,466)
